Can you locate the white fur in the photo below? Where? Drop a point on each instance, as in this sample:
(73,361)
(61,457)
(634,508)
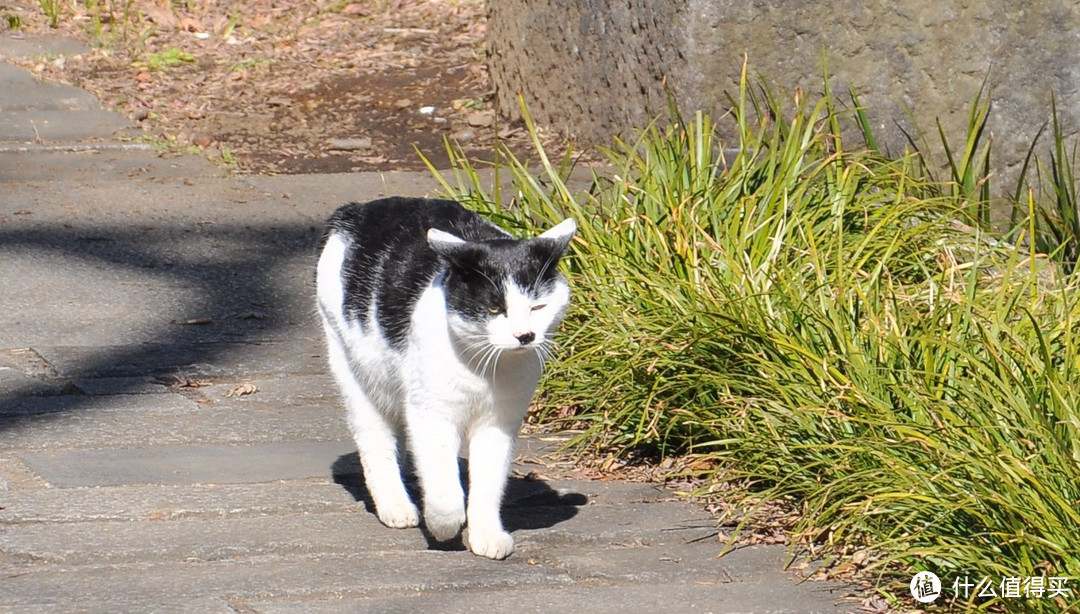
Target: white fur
(456,389)
(561,231)
(434,235)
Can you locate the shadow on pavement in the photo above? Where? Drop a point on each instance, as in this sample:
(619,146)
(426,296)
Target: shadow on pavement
(528,503)
(131,304)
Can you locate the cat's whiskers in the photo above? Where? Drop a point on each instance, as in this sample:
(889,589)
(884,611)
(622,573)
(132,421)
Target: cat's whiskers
(480,355)
(543,352)
(476,352)
(495,362)
(491,359)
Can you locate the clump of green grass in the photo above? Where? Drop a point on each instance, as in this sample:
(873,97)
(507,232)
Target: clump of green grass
(167,58)
(1057,225)
(828,327)
(52,10)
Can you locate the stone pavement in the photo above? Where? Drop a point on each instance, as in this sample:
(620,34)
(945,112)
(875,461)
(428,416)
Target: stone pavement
(170,440)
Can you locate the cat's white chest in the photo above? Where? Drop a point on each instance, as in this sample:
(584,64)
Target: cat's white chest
(461,378)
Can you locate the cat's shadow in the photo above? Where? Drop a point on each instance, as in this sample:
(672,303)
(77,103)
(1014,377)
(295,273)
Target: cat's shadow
(528,503)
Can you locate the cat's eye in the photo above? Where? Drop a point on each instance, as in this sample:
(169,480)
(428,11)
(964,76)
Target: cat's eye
(538,307)
(494,310)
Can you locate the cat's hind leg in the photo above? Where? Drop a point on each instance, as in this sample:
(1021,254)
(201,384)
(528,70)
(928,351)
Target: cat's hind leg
(376,441)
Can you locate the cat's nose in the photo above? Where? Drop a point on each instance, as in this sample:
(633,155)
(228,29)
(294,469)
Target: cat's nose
(525,338)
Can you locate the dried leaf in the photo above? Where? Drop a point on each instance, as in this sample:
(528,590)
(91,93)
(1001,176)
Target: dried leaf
(190,24)
(194,322)
(242,390)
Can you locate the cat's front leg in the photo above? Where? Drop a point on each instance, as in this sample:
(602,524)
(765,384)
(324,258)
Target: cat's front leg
(435,442)
(491,449)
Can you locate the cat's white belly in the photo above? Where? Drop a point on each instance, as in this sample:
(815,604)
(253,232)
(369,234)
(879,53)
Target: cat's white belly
(377,367)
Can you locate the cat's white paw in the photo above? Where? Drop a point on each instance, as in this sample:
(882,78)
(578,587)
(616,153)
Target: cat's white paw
(444,524)
(494,544)
(402,515)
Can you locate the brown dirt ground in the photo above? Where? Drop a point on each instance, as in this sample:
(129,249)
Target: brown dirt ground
(285,86)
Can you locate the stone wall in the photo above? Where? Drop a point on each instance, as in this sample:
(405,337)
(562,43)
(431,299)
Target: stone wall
(596,68)
(588,67)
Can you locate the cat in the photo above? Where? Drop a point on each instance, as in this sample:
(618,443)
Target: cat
(437,324)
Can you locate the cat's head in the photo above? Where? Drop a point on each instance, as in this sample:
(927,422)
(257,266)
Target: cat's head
(507,292)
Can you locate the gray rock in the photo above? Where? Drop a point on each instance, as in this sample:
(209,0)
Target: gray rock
(463,136)
(357,144)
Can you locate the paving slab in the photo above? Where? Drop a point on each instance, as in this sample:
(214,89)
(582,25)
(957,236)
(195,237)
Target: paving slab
(164,503)
(187,464)
(37,504)
(147,603)
(17,46)
(354,530)
(34,112)
(675,598)
(40,164)
(191,357)
(138,586)
(16,476)
(43,96)
(149,406)
(204,540)
(134,420)
(14,383)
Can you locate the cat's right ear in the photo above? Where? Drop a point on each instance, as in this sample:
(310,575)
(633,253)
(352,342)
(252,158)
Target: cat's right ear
(560,234)
(444,243)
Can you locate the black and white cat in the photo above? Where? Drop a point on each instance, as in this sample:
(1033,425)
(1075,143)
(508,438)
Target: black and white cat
(437,323)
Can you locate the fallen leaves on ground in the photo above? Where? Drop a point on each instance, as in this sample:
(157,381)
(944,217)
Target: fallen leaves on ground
(270,87)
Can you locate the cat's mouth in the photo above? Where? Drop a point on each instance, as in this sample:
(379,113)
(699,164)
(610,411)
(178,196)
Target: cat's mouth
(513,348)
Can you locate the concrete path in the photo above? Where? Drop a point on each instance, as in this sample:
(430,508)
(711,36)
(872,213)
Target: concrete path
(170,440)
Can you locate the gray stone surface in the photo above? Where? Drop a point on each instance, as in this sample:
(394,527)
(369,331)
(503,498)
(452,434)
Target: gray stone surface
(21,47)
(46,112)
(135,476)
(138,586)
(129,421)
(607,66)
(263,532)
(716,597)
(189,464)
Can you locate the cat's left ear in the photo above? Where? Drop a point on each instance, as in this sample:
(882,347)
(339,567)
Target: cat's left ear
(444,243)
(560,234)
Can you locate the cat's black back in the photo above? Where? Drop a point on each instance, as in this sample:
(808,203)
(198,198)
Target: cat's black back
(389,261)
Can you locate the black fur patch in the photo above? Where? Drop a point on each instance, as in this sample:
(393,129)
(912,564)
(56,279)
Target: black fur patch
(389,261)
